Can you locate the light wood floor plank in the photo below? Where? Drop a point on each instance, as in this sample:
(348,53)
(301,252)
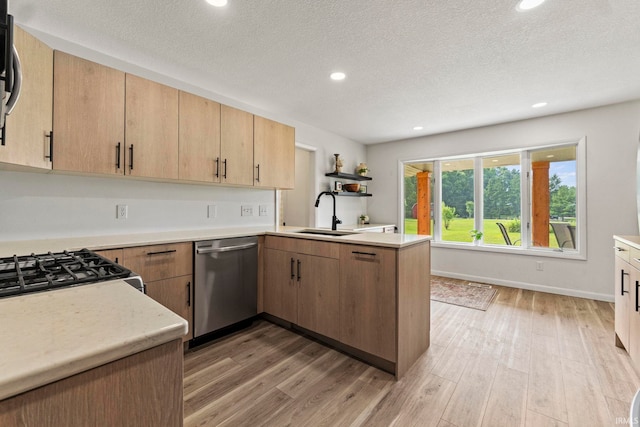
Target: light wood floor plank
(535,419)
(546,393)
(508,399)
(586,405)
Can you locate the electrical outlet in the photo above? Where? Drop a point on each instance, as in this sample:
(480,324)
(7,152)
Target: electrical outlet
(212,211)
(122,211)
(247,210)
(263,210)
(539,266)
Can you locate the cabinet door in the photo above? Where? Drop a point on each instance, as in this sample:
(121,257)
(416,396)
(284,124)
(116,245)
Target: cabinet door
(368,299)
(30,122)
(236,146)
(175,294)
(151,129)
(280,298)
(199,139)
(274,151)
(318,282)
(634,317)
(88,116)
(622,298)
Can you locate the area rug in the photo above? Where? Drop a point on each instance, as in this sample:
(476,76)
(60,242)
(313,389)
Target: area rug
(462,292)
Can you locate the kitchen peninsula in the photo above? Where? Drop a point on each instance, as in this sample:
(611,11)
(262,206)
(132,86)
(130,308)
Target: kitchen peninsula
(378,284)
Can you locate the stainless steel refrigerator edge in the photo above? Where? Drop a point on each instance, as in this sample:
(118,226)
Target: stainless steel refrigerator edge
(226,283)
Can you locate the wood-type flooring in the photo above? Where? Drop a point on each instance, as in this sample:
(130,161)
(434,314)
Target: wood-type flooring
(532,359)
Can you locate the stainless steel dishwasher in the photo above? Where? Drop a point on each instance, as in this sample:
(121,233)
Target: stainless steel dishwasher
(226,283)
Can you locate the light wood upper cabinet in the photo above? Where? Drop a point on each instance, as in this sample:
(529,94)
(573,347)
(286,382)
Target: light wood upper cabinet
(236,146)
(30,122)
(274,152)
(151,129)
(368,299)
(88,116)
(199,139)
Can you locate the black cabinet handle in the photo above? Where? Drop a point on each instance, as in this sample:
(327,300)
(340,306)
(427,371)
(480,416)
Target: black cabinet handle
(293,275)
(131,157)
(258,175)
(118,156)
(225,169)
(188,294)
(363,253)
(299,270)
(622,291)
(50,156)
(161,252)
(217,167)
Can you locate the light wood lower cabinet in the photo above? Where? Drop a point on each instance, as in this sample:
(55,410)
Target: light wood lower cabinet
(373,301)
(28,127)
(302,289)
(167,272)
(368,299)
(175,294)
(622,299)
(114,255)
(144,389)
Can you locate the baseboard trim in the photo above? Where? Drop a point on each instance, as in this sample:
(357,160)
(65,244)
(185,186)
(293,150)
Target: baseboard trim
(528,286)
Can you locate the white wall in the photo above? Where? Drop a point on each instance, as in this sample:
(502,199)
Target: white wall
(612,140)
(36,205)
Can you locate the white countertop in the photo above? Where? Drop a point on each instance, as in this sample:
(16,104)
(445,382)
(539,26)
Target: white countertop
(47,336)
(629,240)
(25,247)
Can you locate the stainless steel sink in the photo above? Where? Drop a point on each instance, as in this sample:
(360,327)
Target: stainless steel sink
(326,232)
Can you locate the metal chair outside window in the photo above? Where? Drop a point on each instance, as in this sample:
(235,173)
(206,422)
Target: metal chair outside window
(505,234)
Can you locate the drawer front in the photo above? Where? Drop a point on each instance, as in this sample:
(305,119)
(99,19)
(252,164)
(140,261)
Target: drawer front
(622,250)
(158,262)
(634,257)
(303,246)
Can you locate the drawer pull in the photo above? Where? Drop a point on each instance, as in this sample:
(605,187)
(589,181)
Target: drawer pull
(188,294)
(293,275)
(118,156)
(299,270)
(161,252)
(619,249)
(50,156)
(217,167)
(364,253)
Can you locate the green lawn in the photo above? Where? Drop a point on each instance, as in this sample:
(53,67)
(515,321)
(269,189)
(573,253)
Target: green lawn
(459,231)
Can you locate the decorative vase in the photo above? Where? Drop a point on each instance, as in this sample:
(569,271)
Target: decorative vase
(362,169)
(338,163)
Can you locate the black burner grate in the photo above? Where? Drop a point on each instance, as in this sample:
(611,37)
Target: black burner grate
(32,273)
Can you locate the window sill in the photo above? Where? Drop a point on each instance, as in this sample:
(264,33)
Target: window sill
(514,250)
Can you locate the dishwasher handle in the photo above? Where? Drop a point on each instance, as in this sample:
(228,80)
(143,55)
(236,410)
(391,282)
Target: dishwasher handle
(211,249)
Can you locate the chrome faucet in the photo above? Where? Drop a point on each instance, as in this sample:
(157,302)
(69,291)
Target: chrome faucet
(334,220)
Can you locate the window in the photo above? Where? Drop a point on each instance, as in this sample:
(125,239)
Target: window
(522,200)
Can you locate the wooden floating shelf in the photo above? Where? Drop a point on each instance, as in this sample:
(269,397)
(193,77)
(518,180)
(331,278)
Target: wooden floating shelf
(352,194)
(348,176)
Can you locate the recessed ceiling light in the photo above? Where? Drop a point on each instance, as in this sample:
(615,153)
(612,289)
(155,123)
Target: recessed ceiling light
(550,156)
(495,160)
(539,105)
(418,128)
(528,4)
(447,164)
(217,3)
(338,76)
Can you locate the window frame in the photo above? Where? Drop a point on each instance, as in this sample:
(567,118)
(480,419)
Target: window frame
(580,253)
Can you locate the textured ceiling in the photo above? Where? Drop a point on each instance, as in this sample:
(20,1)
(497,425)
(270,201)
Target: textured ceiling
(444,65)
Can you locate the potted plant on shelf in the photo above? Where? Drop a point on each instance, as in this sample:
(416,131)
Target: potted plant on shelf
(362,169)
(476,235)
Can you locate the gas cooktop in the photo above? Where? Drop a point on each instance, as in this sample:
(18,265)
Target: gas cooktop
(33,273)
